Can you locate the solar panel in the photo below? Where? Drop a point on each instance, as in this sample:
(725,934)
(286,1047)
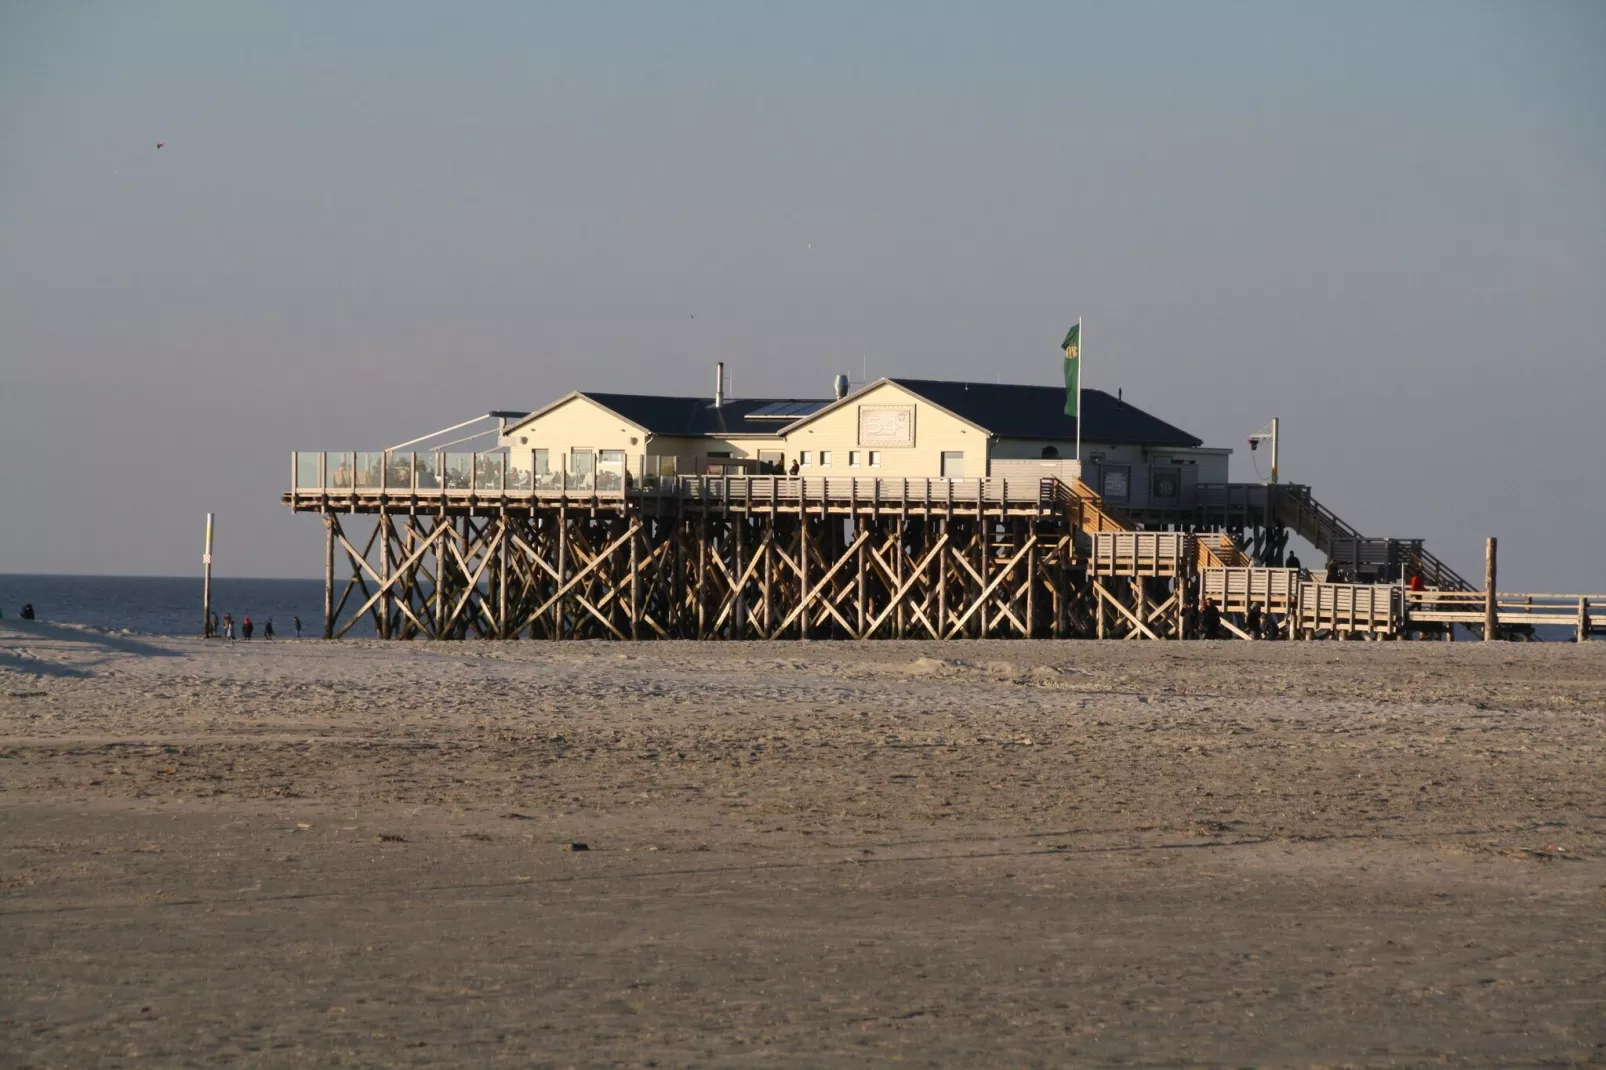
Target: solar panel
(786,410)
(768,410)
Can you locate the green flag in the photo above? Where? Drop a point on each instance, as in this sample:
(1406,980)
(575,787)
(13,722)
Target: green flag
(1073,368)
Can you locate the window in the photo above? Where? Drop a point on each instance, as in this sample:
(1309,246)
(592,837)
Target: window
(953,465)
(804,458)
(611,470)
(582,463)
(853,458)
(1051,453)
(875,458)
(825,458)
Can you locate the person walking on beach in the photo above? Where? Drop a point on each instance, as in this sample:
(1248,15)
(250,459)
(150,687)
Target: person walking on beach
(267,629)
(246,628)
(228,627)
(297,622)
(1268,628)
(1252,620)
(1210,620)
(214,633)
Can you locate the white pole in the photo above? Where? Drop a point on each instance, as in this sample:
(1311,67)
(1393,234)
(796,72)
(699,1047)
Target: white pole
(1274,449)
(1080,412)
(206,582)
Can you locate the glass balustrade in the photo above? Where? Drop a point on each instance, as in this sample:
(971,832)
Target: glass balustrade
(488,469)
(399,471)
(309,471)
(520,476)
(582,471)
(459,471)
(370,471)
(338,470)
(429,467)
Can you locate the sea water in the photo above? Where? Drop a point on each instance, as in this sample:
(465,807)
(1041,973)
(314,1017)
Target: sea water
(169,605)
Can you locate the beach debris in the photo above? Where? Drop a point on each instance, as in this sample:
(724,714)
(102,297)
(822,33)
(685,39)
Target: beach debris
(577,846)
(480,836)
(389,837)
(514,815)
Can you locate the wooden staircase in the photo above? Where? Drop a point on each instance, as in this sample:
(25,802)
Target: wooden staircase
(1294,508)
(1217,550)
(1083,507)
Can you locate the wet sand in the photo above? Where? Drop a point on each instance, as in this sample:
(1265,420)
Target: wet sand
(964,854)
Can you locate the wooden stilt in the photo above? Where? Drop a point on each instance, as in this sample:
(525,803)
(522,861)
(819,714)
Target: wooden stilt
(329,523)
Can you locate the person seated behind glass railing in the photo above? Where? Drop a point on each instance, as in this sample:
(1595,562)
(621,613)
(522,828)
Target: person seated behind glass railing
(343,475)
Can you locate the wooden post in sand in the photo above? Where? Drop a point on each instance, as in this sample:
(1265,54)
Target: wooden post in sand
(1491,613)
(328,575)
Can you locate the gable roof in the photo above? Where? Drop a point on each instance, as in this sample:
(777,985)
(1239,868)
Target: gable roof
(692,417)
(1010,410)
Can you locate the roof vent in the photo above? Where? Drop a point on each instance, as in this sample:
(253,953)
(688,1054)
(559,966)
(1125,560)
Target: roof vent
(840,385)
(719,384)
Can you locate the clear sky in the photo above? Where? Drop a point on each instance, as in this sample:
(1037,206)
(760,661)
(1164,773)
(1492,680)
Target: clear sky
(1383,222)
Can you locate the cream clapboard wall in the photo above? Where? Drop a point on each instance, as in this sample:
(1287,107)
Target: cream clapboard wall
(935,431)
(581,424)
(578,423)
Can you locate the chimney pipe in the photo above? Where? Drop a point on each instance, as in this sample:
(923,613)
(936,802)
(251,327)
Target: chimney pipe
(719,384)
(840,385)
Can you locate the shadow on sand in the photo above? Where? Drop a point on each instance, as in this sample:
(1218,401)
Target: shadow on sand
(19,659)
(13,662)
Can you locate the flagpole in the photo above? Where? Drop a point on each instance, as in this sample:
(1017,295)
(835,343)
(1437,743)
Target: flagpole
(1080,411)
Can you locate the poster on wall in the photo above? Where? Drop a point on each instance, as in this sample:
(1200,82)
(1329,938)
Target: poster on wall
(1166,484)
(886,425)
(1115,483)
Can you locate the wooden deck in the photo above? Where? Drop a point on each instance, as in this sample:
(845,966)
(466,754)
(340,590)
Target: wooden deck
(814,495)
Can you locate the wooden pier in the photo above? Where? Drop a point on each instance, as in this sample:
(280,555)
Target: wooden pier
(425,547)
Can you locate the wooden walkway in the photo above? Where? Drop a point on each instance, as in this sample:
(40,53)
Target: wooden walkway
(1585,613)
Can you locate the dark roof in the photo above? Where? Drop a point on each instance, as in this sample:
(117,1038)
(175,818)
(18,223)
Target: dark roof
(697,416)
(1012,411)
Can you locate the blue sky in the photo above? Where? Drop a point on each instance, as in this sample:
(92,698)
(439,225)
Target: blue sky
(1384,223)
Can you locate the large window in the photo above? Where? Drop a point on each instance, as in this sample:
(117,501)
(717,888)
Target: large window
(953,465)
(582,467)
(611,470)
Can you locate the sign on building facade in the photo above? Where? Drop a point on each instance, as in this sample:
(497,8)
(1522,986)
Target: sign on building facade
(886,425)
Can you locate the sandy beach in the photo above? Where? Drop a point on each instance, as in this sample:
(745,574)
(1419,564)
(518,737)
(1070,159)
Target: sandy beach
(965,854)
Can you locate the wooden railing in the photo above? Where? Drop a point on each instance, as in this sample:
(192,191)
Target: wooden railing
(1235,589)
(1084,508)
(1140,553)
(1581,611)
(1349,608)
(1294,506)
